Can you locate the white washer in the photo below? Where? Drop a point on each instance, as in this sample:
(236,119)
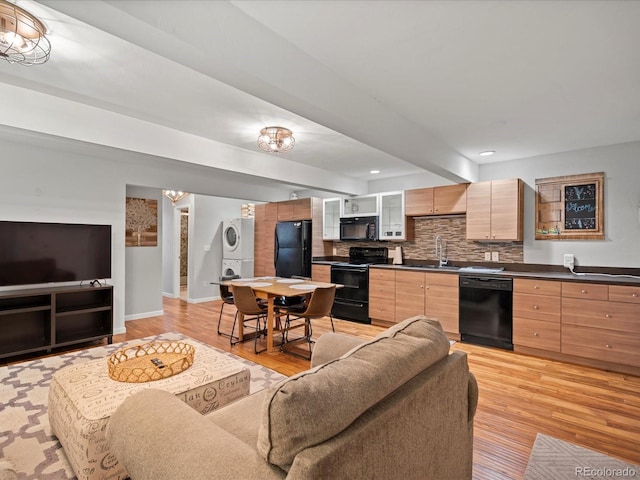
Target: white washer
(244,268)
(237,238)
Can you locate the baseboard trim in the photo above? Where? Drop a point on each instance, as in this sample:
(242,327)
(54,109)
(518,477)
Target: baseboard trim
(138,316)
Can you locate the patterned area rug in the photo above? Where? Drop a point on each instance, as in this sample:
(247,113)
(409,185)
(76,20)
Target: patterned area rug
(26,439)
(554,459)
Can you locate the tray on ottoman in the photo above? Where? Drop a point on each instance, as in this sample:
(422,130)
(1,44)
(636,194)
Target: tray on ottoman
(82,398)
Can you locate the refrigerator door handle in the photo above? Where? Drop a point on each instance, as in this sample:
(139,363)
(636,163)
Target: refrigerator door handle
(276,250)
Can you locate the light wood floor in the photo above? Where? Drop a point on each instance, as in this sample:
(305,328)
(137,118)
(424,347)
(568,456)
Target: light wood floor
(519,395)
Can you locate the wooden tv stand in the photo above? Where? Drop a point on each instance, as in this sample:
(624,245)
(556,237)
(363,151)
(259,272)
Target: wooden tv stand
(41,319)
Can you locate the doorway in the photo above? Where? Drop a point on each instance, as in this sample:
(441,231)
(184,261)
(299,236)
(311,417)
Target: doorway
(181,256)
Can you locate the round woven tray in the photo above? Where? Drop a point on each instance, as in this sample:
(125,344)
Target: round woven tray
(150,361)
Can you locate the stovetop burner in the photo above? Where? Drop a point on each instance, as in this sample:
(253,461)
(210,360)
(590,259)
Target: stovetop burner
(368,255)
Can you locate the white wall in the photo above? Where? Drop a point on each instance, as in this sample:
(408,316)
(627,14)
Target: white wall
(42,185)
(143,267)
(620,248)
(54,180)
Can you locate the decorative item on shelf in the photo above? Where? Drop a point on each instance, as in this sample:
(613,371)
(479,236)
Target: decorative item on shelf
(174,195)
(22,36)
(150,361)
(276,139)
(248,210)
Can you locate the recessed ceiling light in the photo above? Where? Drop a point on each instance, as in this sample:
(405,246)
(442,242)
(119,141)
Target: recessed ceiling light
(374,171)
(487,153)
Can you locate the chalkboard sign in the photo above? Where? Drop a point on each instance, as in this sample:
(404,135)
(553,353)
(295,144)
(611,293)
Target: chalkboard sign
(570,207)
(580,208)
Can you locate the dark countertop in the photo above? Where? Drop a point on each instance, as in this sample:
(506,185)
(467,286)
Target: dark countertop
(607,275)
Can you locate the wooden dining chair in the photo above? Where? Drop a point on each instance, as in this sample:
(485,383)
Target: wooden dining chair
(226,295)
(319,306)
(251,310)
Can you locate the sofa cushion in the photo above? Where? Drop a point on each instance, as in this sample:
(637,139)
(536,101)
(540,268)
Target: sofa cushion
(313,406)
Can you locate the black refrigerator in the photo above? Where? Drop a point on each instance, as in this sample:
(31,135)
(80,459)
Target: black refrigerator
(292,254)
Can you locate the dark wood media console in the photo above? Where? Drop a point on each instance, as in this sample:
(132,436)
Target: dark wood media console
(40,319)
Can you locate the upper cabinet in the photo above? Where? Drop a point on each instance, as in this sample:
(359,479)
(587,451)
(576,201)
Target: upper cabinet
(331,218)
(495,210)
(294,210)
(393,223)
(444,200)
(362,206)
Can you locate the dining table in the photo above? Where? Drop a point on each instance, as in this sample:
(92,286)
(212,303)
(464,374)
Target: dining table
(271,288)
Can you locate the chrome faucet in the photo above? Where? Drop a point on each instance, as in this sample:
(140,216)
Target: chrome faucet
(440,252)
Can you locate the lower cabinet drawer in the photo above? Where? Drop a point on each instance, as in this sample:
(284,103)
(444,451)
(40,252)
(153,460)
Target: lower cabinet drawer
(601,344)
(536,334)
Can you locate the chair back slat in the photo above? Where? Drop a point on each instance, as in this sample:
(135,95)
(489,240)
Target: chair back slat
(224,289)
(321,302)
(246,300)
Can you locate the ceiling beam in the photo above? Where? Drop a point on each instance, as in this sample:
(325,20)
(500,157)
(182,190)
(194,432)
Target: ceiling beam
(220,40)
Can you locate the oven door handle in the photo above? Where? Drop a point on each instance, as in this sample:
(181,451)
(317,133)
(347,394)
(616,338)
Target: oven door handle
(349,269)
(349,303)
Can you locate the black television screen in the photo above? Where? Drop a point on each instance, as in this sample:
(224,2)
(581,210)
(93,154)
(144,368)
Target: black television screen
(33,252)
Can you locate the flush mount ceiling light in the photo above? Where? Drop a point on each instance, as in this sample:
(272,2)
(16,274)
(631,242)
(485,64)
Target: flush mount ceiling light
(487,153)
(276,139)
(374,171)
(22,36)
(174,196)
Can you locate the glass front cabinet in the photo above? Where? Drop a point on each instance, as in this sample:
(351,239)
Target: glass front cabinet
(331,218)
(392,220)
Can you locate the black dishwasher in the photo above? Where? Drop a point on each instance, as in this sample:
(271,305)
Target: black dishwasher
(486,311)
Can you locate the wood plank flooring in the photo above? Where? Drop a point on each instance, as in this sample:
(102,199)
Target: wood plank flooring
(520,395)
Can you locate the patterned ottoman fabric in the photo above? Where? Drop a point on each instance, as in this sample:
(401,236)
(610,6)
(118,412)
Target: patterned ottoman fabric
(82,398)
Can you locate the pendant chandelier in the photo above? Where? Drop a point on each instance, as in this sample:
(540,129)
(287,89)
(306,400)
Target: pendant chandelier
(174,195)
(22,36)
(276,139)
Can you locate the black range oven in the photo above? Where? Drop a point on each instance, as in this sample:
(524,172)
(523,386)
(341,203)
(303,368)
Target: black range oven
(352,301)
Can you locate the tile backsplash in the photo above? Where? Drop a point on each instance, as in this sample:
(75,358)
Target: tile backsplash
(453,232)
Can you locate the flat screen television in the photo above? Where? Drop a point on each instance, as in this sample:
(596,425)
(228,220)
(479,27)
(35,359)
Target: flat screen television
(35,252)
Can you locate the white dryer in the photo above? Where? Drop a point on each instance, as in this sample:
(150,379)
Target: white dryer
(244,268)
(237,238)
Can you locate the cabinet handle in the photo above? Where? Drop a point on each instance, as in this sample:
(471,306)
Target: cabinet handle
(535,334)
(535,307)
(634,294)
(608,346)
(536,287)
(607,315)
(583,291)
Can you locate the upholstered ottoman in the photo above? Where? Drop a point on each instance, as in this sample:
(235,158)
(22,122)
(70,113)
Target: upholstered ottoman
(82,398)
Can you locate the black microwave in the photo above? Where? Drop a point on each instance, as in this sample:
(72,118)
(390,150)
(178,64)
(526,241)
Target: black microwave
(359,228)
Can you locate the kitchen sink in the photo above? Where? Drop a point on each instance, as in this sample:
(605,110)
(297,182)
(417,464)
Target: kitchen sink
(432,267)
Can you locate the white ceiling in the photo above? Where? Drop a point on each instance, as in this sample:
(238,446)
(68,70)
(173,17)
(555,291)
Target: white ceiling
(406,87)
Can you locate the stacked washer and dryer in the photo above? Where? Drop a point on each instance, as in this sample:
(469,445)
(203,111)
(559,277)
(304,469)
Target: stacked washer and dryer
(237,247)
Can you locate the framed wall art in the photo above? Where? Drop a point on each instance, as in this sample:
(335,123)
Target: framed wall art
(142,222)
(570,207)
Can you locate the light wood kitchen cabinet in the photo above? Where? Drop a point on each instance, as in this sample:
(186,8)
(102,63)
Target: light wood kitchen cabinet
(536,314)
(382,294)
(410,294)
(266,215)
(495,210)
(442,300)
(299,209)
(443,200)
(321,273)
(596,327)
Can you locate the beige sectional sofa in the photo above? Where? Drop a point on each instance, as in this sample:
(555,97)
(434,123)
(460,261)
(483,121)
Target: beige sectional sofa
(400,406)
